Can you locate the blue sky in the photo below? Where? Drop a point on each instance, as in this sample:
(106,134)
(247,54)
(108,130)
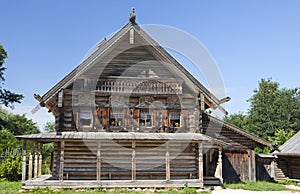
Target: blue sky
(249,40)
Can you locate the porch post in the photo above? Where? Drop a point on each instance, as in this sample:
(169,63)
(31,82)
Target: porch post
(62,160)
(168,174)
(99,162)
(24,161)
(200,164)
(218,173)
(40,159)
(133,162)
(30,163)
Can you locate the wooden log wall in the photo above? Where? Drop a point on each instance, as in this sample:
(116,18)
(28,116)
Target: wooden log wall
(67,115)
(125,160)
(287,167)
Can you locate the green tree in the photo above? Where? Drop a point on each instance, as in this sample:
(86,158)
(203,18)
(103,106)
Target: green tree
(281,136)
(7,98)
(274,113)
(240,120)
(49,126)
(273,108)
(17,124)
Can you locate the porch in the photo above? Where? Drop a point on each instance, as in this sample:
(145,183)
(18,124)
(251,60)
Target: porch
(46,181)
(100,159)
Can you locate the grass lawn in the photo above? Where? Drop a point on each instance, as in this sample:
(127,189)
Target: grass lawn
(257,186)
(14,187)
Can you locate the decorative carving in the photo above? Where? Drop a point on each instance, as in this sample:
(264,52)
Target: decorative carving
(132,16)
(173,102)
(117,101)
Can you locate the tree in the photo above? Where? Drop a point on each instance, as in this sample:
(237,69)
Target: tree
(17,124)
(7,98)
(281,136)
(240,120)
(49,126)
(274,113)
(273,109)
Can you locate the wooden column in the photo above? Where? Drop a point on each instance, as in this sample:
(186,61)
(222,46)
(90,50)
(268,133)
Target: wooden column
(24,161)
(35,169)
(218,173)
(40,159)
(200,164)
(133,162)
(202,108)
(253,165)
(30,163)
(99,162)
(168,173)
(62,161)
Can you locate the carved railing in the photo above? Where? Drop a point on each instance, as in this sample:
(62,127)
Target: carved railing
(139,86)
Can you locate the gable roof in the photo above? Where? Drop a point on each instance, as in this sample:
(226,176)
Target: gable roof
(237,130)
(105,47)
(291,147)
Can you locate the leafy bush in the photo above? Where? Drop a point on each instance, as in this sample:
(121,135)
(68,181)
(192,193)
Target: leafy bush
(11,169)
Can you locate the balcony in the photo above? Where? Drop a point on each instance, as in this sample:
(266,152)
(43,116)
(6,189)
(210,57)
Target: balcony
(138,86)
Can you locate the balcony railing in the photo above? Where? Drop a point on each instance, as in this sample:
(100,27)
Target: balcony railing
(139,86)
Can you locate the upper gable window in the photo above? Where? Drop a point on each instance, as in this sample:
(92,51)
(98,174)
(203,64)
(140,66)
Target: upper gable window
(175,118)
(146,117)
(116,117)
(85,118)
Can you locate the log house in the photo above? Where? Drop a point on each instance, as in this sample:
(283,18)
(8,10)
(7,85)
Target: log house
(130,115)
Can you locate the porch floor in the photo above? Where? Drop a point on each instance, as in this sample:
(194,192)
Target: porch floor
(46,181)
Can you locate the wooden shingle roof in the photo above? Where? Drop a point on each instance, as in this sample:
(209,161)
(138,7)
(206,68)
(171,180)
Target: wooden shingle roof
(53,136)
(107,45)
(291,147)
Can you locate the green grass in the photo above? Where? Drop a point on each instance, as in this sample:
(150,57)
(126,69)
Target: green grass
(257,186)
(9,187)
(14,187)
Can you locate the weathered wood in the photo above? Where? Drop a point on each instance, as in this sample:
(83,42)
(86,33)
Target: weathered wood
(133,162)
(218,173)
(24,161)
(30,162)
(168,174)
(200,164)
(62,160)
(36,159)
(40,159)
(99,162)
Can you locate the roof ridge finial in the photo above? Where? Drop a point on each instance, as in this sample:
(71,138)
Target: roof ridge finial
(132,16)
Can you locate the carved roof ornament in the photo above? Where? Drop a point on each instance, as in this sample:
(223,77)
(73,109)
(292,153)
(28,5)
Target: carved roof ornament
(132,16)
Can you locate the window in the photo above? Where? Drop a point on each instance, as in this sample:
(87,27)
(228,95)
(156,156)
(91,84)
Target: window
(116,117)
(175,118)
(85,118)
(145,117)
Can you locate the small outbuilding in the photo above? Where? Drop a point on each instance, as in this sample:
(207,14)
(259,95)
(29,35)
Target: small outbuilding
(287,159)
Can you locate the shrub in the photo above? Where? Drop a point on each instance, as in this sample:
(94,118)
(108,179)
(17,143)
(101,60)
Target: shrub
(11,168)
